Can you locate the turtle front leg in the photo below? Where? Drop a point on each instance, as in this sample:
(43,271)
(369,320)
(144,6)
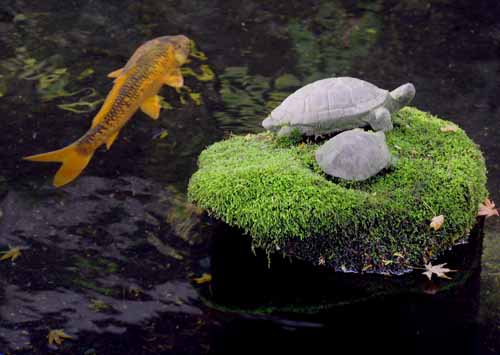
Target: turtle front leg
(380,120)
(285,131)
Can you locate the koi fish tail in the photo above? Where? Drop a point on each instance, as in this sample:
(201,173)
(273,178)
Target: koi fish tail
(73,162)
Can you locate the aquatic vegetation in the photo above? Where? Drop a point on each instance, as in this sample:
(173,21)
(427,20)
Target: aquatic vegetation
(196,53)
(280,197)
(86,103)
(244,100)
(206,74)
(328,43)
(98,305)
(52,81)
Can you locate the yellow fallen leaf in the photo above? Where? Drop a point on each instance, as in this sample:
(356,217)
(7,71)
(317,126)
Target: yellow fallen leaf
(203,279)
(437,222)
(12,254)
(449,128)
(57,336)
(366,268)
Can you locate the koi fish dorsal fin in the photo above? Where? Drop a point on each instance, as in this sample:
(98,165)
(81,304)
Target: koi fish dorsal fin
(116,73)
(151,107)
(174,79)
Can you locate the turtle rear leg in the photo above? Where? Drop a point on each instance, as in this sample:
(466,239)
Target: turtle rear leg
(380,120)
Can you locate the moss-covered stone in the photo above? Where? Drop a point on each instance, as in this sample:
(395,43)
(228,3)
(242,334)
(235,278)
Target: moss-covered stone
(275,191)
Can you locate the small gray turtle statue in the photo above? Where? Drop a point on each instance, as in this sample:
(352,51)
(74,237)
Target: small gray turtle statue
(354,155)
(338,104)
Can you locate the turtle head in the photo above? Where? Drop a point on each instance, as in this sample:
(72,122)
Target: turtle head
(269,124)
(403,95)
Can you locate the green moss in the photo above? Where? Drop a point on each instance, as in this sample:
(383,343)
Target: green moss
(277,194)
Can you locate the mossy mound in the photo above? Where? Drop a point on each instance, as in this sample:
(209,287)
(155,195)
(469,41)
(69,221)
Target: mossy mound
(274,191)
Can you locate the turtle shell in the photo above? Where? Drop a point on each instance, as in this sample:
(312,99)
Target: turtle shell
(327,100)
(354,155)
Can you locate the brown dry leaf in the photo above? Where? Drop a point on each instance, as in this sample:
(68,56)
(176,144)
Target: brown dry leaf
(487,209)
(437,222)
(449,128)
(438,270)
(203,279)
(12,254)
(57,336)
(321,260)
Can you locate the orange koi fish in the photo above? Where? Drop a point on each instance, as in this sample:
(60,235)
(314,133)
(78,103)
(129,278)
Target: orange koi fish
(154,64)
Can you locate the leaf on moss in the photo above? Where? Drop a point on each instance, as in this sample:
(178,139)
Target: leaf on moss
(437,222)
(437,270)
(57,336)
(366,268)
(487,209)
(449,128)
(203,279)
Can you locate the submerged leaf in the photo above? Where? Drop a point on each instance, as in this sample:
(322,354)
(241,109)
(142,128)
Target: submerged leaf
(438,270)
(203,279)
(57,336)
(12,254)
(437,222)
(487,209)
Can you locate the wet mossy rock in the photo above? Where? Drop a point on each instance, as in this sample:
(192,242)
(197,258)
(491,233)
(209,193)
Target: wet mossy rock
(275,191)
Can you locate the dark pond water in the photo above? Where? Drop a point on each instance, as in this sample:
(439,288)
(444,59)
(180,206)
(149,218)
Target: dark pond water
(111,258)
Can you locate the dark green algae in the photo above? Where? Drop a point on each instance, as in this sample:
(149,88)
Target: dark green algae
(274,191)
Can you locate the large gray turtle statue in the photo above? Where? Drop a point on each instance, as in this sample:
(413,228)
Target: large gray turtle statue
(354,155)
(338,104)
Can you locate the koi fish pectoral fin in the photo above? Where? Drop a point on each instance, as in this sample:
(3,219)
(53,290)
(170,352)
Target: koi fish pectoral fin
(111,139)
(174,79)
(151,107)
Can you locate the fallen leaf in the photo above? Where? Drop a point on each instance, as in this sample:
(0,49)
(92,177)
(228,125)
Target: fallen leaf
(438,270)
(321,260)
(203,279)
(437,222)
(449,128)
(57,336)
(487,209)
(12,254)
